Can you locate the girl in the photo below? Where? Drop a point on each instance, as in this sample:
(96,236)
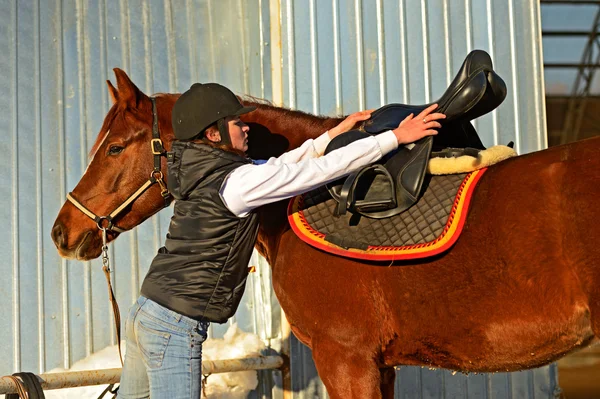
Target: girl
(199,275)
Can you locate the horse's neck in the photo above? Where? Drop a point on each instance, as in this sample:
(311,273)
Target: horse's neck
(295,126)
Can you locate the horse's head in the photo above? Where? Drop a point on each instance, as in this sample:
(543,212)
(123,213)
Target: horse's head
(121,163)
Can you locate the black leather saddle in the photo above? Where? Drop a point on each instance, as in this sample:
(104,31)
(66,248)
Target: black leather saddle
(393,185)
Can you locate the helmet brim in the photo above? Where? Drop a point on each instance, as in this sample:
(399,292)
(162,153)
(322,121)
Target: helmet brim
(244,110)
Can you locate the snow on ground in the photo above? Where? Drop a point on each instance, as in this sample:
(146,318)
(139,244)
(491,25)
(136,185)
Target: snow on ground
(234,345)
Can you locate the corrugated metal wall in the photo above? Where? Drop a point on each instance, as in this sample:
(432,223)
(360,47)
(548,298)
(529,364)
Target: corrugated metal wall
(335,57)
(55,57)
(341,56)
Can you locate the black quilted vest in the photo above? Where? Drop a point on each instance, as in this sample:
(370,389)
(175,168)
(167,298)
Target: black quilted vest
(201,271)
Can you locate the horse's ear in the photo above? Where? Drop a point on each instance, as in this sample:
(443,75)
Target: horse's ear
(128,92)
(114,95)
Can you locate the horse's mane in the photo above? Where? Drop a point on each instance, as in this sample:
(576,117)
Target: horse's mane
(269,111)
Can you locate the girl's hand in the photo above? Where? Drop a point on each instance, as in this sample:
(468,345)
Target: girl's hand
(413,129)
(349,123)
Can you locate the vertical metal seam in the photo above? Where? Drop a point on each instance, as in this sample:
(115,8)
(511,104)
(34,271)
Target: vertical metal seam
(468,25)
(314,62)
(63,184)
(126,34)
(513,67)
(469,33)
(276,53)
(267,332)
(134,266)
(261,48)
(531,384)
(339,109)
(38,191)
(146,23)
(381,54)
(150,78)
(443,384)
(81,72)
(426,66)
(359,55)
(447,46)
(539,87)
(490,18)
(509,386)
(291,54)
(420,371)
(15,196)
(245,66)
(403,52)
(211,39)
(126,50)
(190,35)
(103,51)
(105,99)
(172,54)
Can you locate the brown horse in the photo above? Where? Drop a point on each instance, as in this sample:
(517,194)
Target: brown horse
(519,289)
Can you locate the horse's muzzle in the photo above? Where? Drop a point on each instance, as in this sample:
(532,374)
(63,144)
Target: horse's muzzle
(82,249)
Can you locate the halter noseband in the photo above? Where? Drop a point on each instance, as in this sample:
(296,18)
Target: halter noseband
(158,151)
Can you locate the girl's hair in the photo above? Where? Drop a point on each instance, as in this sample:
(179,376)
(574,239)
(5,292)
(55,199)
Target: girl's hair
(201,138)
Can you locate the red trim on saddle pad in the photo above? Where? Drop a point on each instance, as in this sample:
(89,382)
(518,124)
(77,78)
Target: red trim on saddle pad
(446,239)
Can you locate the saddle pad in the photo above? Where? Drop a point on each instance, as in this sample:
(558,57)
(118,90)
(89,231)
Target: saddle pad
(429,227)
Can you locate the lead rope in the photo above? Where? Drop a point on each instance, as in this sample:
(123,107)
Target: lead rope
(111,295)
(204,382)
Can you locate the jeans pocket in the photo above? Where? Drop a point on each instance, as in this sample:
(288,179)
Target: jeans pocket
(152,344)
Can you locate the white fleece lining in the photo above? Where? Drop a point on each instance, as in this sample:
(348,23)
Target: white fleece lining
(466,163)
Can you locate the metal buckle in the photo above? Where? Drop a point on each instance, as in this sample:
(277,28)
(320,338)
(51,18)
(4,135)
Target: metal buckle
(153,142)
(100,223)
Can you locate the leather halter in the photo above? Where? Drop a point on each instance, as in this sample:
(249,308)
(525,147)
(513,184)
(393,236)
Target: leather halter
(158,150)
(156,176)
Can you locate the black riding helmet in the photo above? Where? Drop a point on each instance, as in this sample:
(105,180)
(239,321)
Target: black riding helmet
(201,106)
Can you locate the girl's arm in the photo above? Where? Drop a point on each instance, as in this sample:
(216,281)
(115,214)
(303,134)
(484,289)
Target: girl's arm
(251,186)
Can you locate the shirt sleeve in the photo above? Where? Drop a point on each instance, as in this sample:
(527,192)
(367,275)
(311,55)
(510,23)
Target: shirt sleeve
(251,186)
(309,149)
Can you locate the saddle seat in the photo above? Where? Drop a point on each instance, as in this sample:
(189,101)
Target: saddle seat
(392,185)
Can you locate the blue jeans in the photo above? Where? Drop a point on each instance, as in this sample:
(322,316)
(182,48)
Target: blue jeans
(164,353)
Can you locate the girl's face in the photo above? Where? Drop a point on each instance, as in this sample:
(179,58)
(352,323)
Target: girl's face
(238,132)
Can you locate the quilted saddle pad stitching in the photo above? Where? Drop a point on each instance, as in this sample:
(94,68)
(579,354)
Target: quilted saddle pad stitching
(443,242)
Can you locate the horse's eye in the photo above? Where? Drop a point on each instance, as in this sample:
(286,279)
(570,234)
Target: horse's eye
(115,149)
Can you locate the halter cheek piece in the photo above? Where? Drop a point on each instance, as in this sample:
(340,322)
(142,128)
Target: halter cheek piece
(156,176)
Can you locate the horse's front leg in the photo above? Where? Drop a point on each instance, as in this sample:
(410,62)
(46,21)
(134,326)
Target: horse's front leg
(350,373)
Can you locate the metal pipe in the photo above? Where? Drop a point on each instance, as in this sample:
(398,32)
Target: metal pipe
(72,379)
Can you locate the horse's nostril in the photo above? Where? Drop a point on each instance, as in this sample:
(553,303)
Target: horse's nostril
(58,236)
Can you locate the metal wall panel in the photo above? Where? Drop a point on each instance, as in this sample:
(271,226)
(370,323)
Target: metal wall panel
(337,56)
(55,58)
(341,56)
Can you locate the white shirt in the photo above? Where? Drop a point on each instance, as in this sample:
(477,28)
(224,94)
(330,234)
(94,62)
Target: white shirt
(300,170)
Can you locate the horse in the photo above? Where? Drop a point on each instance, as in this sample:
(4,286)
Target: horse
(519,289)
